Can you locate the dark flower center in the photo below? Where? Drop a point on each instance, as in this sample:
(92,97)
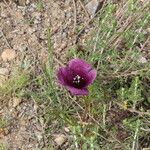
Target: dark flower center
(78,81)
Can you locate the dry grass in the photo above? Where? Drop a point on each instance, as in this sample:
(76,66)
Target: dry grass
(116,113)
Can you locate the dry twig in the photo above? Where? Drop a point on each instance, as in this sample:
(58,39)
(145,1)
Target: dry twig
(5,38)
(140,113)
(75,15)
(82,5)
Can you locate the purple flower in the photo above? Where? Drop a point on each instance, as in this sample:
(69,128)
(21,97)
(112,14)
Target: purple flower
(77,76)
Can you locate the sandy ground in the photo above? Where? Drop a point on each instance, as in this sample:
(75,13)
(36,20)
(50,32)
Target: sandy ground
(23,40)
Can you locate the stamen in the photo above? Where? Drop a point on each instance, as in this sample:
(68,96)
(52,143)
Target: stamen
(77,79)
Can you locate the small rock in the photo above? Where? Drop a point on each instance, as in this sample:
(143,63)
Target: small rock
(36,21)
(8,54)
(66,129)
(62,47)
(60,139)
(33,5)
(148,29)
(31,30)
(142,59)
(4,71)
(16,101)
(4,14)
(21,47)
(37,15)
(22,11)
(2,133)
(27,2)
(39,136)
(93,6)
(64,35)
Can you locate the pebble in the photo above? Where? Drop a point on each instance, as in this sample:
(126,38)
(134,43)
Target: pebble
(36,21)
(27,2)
(37,15)
(31,30)
(142,59)
(4,14)
(148,29)
(8,54)
(93,6)
(4,71)
(16,101)
(64,35)
(66,129)
(60,139)
(62,47)
(39,136)
(20,47)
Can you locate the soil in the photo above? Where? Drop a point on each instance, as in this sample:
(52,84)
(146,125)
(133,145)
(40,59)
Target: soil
(23,40)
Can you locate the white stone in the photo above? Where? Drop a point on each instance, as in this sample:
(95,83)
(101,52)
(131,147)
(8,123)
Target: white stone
(4,71)
(142,59)
(60,139)
(16,101)
(92,7)
(8,54)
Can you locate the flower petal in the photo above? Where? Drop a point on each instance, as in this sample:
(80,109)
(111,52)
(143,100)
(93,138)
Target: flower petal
(91,76)
(75,91)
(61,76)
(65,76)
(79,65)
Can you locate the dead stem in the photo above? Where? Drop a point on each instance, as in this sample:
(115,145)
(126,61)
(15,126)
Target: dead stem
(87,14)
(140,113)
(75,16)
(5,38)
